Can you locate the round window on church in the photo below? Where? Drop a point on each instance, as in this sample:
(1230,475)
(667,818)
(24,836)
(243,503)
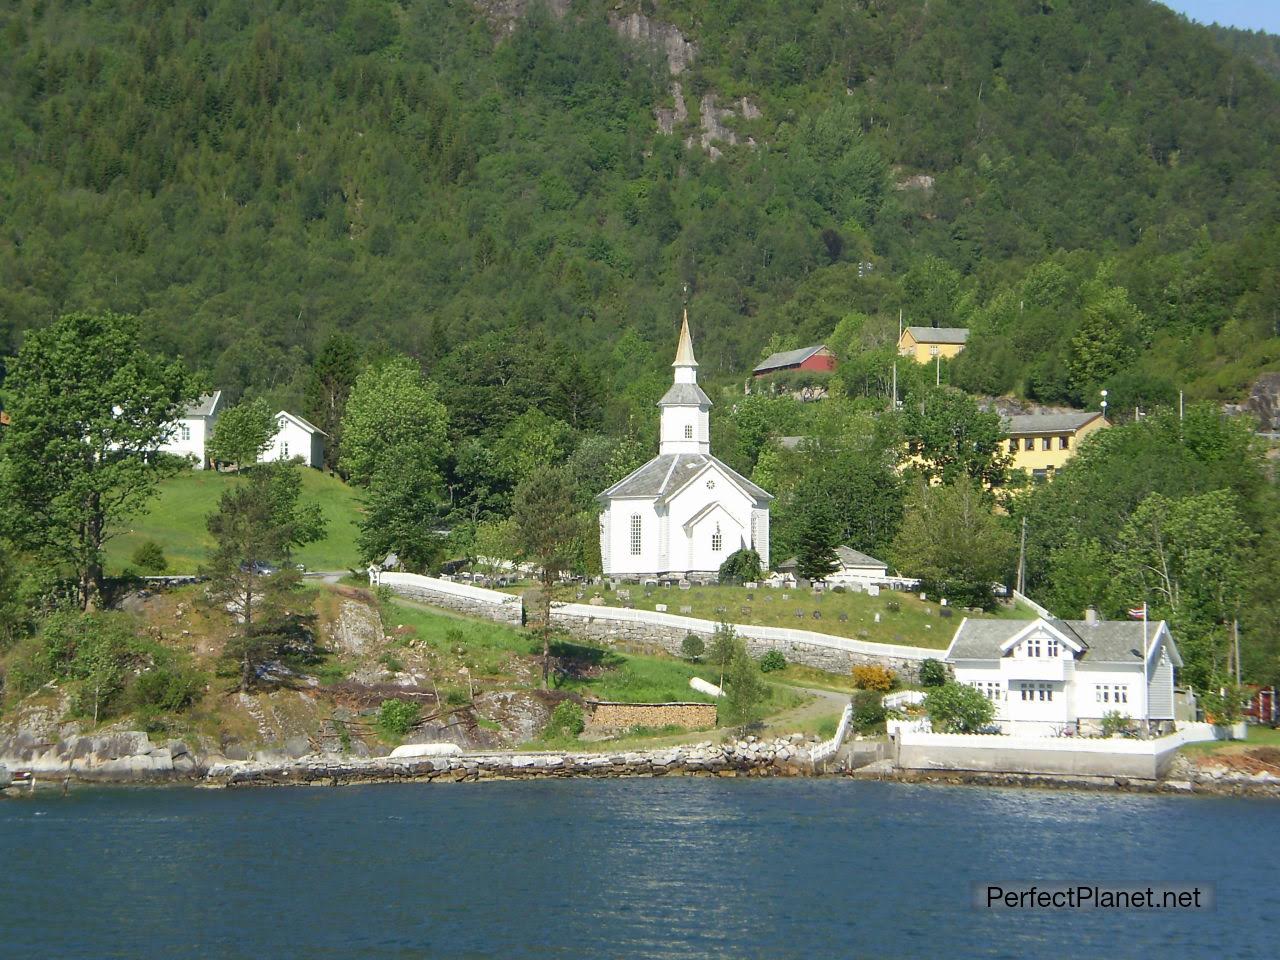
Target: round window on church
(711,484)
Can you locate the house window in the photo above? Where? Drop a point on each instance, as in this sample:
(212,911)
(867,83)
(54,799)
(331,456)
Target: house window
(1102,693)
(1013,445)
(1064,443)
(933,351)
(1039,475)
(1046,691)
(1046,443)
(1029,443)
(184,431)
(1051,648)
(688,431)
(717,541)
(635,535)
(284,450)
(1033,648)
(1028,691)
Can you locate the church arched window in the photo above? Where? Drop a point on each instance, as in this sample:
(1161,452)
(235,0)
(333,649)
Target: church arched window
(717,541)
(636,542)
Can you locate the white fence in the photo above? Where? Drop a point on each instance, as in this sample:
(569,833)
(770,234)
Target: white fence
(1024,599)
(828,748)
(997,753)
(463,597)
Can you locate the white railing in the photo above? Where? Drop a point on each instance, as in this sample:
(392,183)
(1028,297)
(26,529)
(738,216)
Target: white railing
(828,748)
(463,591)
(1024,599)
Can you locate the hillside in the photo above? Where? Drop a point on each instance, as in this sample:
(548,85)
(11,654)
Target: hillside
(251,176)
(177,520)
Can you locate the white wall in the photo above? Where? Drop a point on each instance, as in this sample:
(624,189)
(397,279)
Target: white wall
(193,444)
(621,562)
(291,441)
(692,550)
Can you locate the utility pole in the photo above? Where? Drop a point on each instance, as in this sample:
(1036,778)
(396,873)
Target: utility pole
(1235,633)
(895,385)
(1179,406)
(1022,559)
(937,369)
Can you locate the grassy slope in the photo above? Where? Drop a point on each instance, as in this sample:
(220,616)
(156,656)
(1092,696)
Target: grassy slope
(175,519)
(916,623)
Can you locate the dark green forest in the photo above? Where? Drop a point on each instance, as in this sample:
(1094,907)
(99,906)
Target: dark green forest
(251,177)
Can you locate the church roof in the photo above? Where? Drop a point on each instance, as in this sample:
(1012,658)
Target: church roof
(684,394)
(663,476)
(684,350)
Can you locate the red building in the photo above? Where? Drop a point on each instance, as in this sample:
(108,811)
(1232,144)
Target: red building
(815,359)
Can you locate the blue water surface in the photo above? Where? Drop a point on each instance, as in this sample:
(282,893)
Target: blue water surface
(669,868)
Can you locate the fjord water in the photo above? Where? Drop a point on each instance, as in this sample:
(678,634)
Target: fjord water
(621,868)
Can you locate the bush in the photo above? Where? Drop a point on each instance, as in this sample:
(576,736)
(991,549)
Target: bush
(566,720)
(692,647)
(874,677)
(868,711)
(1115,722)
(1223,702)
(958,708)
(166,689)
(149,558)
(744,690)
(933,673)
(773,660)
(741,566)
(397,717)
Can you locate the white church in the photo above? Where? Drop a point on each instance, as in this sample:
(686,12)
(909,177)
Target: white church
(684,512)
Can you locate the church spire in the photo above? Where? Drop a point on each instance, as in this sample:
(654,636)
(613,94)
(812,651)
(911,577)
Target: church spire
(684,350)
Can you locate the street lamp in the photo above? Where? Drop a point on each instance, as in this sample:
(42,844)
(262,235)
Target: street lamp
(1104,404)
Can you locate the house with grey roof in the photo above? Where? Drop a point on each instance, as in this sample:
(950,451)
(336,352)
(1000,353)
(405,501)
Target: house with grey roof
(1042,443)
(927,344)
(817,359)
(680,515)
(1051,677)
(188,435)
(856,568)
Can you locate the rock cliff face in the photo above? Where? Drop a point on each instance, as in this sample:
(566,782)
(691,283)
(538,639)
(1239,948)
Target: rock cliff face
(680,52)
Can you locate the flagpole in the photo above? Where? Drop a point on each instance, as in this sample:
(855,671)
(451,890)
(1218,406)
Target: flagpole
(1146,683)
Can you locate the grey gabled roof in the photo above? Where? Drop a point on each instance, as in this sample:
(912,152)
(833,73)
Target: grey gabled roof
(302,422)
(788,358)
(205,406)
(1036,423)
(1107,641)
(940,334)
(856,558)
(667,473)
(684,395)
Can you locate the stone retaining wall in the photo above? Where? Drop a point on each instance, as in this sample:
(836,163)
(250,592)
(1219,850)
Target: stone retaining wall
(627,716)
(460,597)
(750,757)
(833,654)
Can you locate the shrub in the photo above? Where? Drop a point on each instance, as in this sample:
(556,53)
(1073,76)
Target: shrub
(839,588)
(166,689)
(393,663)
(933,673)
(741,566)
(1115,722)
(874,677)
(773,660)
(958,708)
(397,717)
(456,696)
(692,647)
(868,711)
(566,720)
(1223,702)
(893,606)
(149,558)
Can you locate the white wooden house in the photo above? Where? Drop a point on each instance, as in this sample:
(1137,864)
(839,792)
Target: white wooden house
(856,569)
(1050,677)
(189,434)
(682,513)
(295,438)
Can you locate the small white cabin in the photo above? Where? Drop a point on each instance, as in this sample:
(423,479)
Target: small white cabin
(1050,677)
(295,438)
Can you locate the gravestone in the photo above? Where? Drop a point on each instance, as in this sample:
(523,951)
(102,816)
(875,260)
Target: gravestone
(686,609)
(844,617)
(751,596)
(799,614)
(786,596)
(877,618)
(873,590)
(746,611)
(817,614)
(684,584)
(722,609)
(660,607)
(751,585)
(944,612)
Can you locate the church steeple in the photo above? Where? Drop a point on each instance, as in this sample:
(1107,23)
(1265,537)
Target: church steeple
(686,420)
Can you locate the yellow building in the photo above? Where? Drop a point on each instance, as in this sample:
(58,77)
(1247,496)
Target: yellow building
(1040,443)
(926,344)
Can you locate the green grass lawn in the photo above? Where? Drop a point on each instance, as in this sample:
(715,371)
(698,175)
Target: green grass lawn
(1257,737)
(176,517)
(916,622)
